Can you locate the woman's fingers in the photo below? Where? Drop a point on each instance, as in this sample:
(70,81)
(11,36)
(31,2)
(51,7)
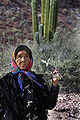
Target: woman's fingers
(56,74)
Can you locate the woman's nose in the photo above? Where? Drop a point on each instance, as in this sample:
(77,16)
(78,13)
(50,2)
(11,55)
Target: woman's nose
(22,59)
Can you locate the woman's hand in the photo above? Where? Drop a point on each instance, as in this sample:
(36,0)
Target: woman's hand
(55,76)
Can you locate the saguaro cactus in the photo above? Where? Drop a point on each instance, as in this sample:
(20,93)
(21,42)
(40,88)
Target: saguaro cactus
(46,19)
(53,14)
(42,11)
(34,17)
(49,15)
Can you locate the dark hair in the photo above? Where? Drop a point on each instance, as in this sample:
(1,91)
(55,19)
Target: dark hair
(23,47)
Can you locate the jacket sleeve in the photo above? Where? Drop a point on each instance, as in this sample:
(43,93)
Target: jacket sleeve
(49,96)
(2,111)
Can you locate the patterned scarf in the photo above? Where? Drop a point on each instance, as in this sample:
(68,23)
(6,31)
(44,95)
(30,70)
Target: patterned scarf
(15,69)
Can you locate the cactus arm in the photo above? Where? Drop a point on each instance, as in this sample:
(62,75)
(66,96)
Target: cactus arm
(42,11)
(51,19)
(55,15)
(46,19)
(34,17)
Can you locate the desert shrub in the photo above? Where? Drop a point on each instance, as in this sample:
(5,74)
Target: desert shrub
(63,53)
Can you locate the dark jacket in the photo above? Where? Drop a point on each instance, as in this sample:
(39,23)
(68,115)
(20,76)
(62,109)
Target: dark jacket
(32,103)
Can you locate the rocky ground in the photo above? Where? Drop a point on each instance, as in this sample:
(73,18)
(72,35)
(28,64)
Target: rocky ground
(67,108)
(15,22)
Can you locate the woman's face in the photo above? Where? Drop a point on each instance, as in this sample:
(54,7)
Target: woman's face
(22,59)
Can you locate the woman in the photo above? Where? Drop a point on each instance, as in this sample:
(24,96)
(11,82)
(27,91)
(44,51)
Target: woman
(24,95)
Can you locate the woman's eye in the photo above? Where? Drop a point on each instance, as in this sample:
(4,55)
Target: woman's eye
(26,57)
(19,57)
